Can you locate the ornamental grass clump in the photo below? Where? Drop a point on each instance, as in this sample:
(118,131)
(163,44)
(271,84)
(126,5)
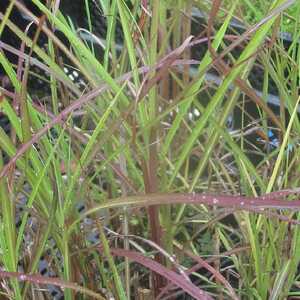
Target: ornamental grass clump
(137,160)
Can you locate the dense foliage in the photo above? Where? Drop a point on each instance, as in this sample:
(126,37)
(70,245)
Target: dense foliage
(149,149)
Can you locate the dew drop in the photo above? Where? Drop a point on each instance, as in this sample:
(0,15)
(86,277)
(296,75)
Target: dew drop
(196,112)
(22,277)
(215,201)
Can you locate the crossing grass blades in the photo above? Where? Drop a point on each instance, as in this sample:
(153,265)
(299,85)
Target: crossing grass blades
(119,177)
